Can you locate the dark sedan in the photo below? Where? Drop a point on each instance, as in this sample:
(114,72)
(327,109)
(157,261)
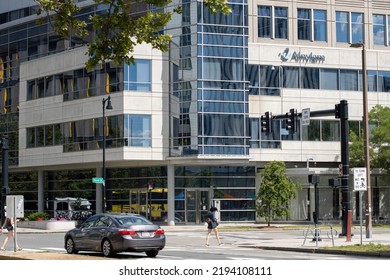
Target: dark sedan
(114,233)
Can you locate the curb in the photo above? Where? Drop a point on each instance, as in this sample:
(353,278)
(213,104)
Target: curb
(324,251)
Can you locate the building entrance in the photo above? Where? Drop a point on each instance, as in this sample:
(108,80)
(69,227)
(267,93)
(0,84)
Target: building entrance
(197,205)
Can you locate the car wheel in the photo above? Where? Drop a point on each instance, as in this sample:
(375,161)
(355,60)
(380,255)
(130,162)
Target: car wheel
(152,253)
(107,249)
(70,248)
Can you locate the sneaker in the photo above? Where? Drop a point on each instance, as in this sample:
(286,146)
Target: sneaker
(220,244)
(207,245)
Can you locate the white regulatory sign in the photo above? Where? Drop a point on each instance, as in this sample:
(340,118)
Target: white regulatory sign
(359,179)
(305,120)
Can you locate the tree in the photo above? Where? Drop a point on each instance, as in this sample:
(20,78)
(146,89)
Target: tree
(122,26)
(379,141)
(276,191)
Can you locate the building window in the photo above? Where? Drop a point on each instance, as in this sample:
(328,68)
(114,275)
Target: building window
(137,130)
(138,75)
(349,27)
(380,30)
(272,22)
(312,25)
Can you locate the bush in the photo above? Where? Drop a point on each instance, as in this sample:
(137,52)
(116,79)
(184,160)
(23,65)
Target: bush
(34,216)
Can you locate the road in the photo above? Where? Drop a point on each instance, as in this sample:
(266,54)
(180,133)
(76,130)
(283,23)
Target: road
(190,246)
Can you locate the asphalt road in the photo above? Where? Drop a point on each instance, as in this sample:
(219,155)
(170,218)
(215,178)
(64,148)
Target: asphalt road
(190,246)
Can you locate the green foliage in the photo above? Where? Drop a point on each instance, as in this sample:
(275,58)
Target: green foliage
(276,191)
(356,146)
(121,27)
(379,141)
(34,216)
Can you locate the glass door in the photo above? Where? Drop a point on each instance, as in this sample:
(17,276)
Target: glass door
(197,205)
(139,201)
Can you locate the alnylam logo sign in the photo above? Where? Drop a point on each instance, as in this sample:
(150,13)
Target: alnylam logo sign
(288,55)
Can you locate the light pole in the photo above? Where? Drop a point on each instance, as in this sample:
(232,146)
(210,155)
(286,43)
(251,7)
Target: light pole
(108,107)
(366,141)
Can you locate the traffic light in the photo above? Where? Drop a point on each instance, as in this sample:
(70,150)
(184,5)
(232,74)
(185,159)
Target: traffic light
(290,121)
(266,123)
(341,110)
(337,111)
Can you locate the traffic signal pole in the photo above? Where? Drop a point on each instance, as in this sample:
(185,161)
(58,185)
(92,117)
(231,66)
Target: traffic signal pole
(5,188)
(340,112)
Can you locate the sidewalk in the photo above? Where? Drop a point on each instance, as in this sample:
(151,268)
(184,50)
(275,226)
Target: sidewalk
(284,237)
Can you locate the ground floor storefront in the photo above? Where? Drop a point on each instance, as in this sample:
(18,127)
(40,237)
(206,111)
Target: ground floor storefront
(182,194)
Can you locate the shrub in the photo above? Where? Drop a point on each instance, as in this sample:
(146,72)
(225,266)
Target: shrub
(34,216)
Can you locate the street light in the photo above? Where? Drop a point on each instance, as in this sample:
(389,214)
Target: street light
(108,107)
(366,140)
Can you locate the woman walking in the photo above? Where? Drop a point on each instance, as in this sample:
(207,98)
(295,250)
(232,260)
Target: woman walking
(212,225)
(9,225)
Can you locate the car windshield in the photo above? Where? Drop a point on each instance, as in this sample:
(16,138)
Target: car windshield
(129,221)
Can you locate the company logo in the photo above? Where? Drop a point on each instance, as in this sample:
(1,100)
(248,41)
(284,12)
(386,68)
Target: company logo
(288,55)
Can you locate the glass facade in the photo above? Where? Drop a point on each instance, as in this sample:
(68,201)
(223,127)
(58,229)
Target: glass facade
(121,131)
(222,122)
(268,79)
(231,187)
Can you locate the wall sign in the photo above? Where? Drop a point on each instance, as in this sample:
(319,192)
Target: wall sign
(289,55)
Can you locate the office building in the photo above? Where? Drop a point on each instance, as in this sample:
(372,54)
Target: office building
(184,131)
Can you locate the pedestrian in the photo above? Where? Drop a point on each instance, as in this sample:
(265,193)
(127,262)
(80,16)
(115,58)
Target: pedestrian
(9,225)
(212,225)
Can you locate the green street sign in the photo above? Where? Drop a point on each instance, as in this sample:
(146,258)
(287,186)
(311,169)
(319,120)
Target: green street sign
(98,180)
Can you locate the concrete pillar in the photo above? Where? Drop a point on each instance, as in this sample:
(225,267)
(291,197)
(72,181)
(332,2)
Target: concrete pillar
(41,191)
(171,195)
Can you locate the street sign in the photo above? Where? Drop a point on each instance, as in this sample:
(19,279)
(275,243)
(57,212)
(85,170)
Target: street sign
(359,179)
(305,120)
(98,180)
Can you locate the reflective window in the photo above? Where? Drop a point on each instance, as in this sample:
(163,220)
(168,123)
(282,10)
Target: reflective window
(357,27)
(383,81)
(272,22)
(304,26)
(281,22)
(330,130)
(267,80)
(329,79)
(349,27)
(312,132)
(291,77)
(379,27)
(138,76)
(127,130)
(320,30)
(222,125)
(310,78)
(222,69)
(349,80)
(137,130)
